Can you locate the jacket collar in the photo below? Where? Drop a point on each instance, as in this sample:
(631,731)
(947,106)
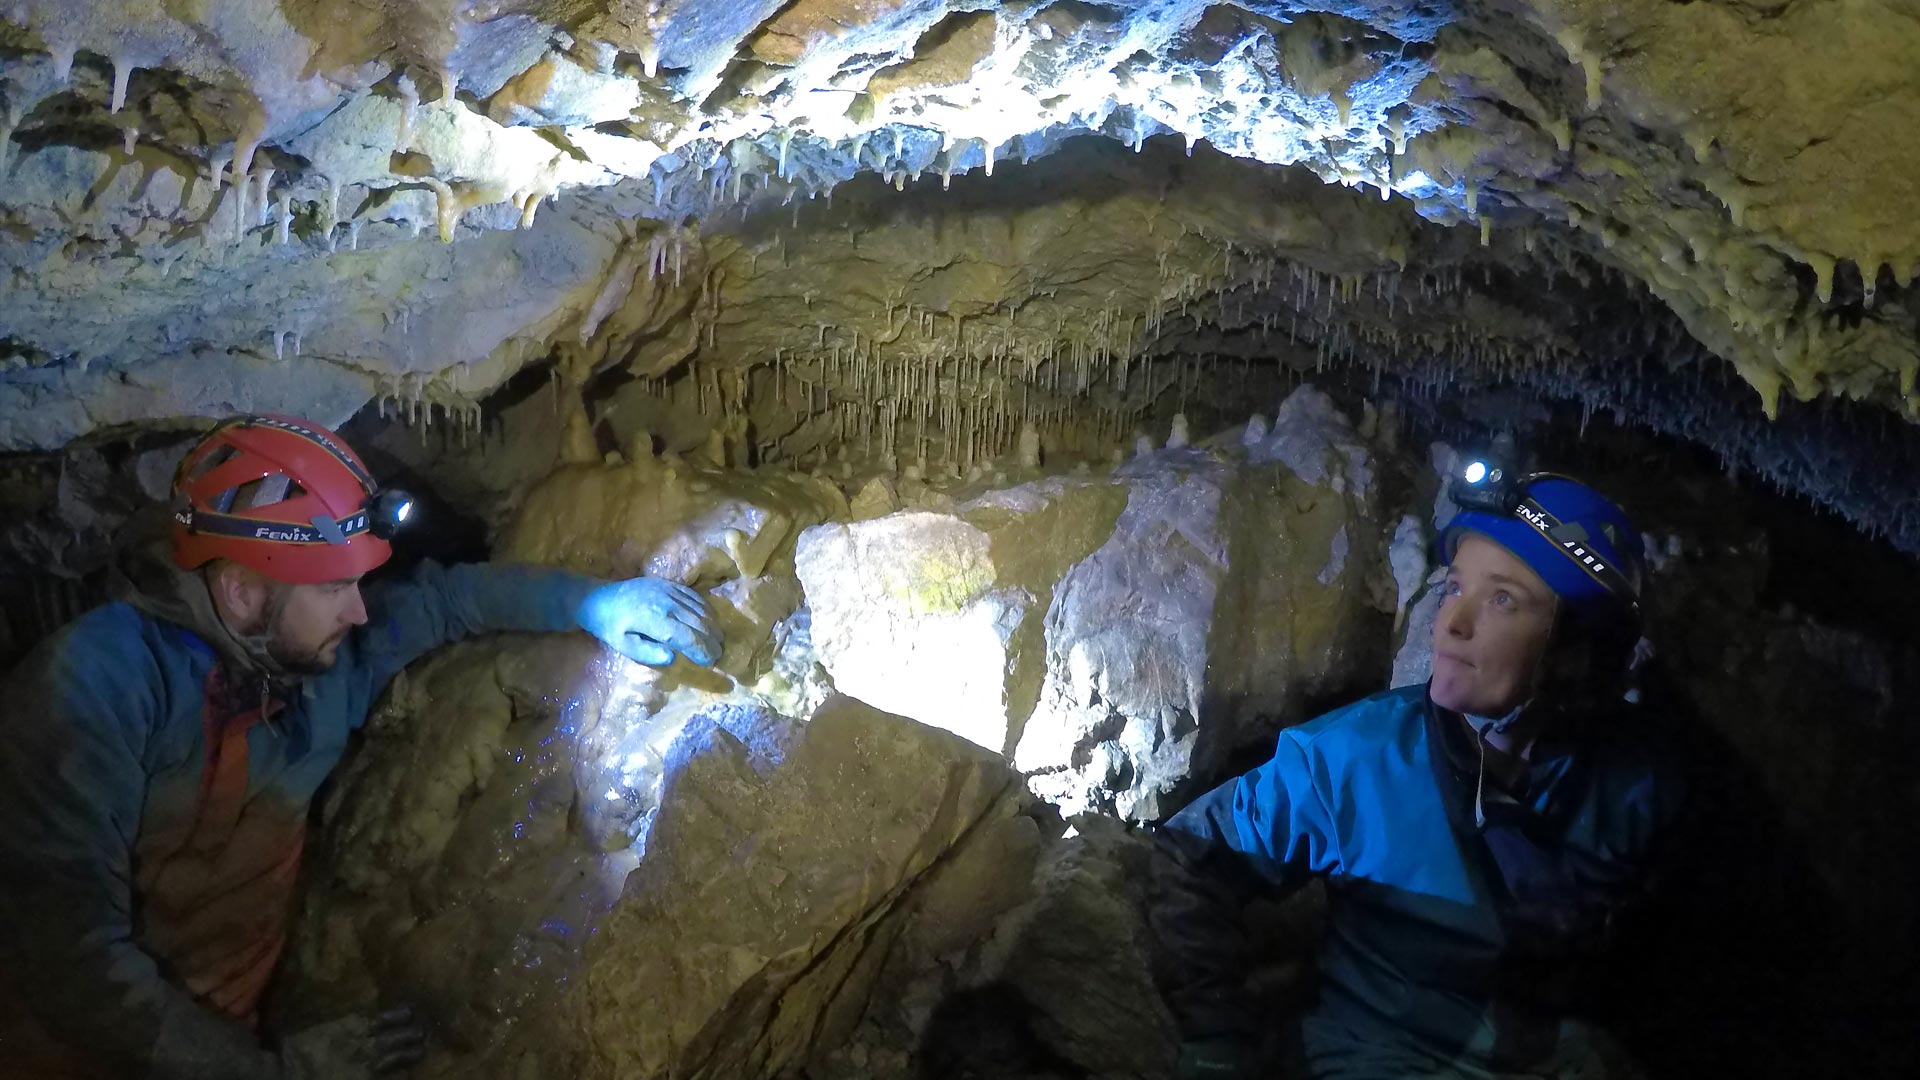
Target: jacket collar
(145,576)
(1555,771)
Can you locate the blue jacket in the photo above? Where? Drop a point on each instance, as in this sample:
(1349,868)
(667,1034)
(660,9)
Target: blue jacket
(103,761)
(1448,946)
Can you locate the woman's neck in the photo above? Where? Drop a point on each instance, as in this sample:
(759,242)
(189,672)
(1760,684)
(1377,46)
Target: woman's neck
(1507,746)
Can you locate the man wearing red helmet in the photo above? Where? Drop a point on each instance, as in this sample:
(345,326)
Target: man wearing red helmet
(161,753)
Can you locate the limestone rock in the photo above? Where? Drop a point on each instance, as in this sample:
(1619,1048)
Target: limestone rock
(690,524)
(876,498)
(1078,955)
(1237,586)
(1413,658)
(750,936)
(938,615)
(453,871)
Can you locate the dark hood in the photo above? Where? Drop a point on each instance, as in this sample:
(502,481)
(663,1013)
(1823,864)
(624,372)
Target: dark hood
(145,576)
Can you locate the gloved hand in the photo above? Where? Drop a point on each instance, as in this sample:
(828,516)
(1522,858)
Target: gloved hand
(647,620)
(354,1047)
(1216,1058)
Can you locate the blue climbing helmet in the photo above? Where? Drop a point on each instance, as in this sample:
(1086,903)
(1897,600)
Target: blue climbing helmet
(1576,539)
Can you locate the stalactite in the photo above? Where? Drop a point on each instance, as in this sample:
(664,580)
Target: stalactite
(409,103)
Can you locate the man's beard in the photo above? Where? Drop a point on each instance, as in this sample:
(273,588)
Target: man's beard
(296,661)
(292,658)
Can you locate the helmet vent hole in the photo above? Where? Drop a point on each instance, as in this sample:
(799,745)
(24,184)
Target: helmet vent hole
(267,490)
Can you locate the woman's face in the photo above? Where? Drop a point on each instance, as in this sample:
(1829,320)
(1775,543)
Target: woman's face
(1495,619)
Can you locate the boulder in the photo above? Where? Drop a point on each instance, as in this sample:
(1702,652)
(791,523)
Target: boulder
(775,884)
(938,616)
(454,869)
(1243,582)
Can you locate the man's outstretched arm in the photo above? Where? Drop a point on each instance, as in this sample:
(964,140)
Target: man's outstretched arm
(647,620)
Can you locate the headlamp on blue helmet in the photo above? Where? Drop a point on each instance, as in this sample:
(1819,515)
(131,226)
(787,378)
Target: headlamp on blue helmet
(1578,541)
(1487,482)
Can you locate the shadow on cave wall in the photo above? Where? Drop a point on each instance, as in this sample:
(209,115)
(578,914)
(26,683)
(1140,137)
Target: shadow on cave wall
(984,1034)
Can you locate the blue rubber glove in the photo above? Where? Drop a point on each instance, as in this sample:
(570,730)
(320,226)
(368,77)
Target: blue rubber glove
(647,620)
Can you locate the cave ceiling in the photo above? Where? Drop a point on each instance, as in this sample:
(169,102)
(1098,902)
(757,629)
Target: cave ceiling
(916,226)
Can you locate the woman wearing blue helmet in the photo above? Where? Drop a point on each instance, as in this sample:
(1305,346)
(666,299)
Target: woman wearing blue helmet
(1478,835)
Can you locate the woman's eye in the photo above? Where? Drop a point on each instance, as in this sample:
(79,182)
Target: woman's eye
(1503,599)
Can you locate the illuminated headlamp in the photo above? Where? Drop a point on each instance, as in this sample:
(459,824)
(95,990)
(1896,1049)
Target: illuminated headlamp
(388,511)
(1488,484)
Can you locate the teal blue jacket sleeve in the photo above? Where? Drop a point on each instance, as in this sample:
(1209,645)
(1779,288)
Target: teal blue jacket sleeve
(78,715)
(1272,828)
(1276,818)
(435,605)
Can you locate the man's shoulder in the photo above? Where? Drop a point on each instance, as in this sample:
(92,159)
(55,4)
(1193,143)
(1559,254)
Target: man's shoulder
(106,644)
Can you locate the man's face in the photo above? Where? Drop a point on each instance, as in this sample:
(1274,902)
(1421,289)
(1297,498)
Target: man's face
(1495,618)
(309,623)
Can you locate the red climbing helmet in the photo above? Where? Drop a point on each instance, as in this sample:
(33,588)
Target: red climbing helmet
(313,513)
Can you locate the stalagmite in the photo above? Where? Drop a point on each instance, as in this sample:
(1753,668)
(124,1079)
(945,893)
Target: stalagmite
(286,217)
(1029,446)
(1256,430)
(1178,437)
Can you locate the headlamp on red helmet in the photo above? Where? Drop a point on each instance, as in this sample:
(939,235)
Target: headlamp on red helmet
(316,515)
